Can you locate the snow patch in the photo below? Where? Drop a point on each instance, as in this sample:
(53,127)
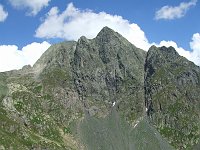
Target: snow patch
(136,124)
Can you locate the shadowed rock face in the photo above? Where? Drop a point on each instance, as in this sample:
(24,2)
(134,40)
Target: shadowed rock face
(109,69)
(172,86)
(92,94)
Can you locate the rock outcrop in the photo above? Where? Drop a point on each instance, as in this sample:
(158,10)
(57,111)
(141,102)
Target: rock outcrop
(172,87)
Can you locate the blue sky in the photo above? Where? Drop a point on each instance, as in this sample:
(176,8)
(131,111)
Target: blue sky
(25,25)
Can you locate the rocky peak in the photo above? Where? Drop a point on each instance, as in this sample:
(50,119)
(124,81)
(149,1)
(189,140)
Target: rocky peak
(170,50)
(165,52)
(171,95)
(106,31)
(107,35)
(82,39)
(109,62)
(159,56)
(57,55)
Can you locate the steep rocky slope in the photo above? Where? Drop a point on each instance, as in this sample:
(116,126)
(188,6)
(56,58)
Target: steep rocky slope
(172,87)
(94,93)
(109,69)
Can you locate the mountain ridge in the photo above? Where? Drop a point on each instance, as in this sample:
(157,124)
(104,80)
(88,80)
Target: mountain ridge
(101,93)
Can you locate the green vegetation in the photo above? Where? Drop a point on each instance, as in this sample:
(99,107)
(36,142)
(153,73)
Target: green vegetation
(37,119)
(19,106)
(38,89)
(55,77)
(47,97)
(67,130)
(113,132)
(3,87)
(53,134)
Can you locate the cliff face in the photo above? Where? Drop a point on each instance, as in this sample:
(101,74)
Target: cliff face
(101,93)
(107,70)
(172,86)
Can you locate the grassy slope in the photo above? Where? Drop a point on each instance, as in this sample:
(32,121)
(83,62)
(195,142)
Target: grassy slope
(113,133)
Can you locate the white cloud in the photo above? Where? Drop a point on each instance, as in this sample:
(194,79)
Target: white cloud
(13,58)
(193,55)
(3,14)
(72,23)
(195,46)
(170,12)
(34,6)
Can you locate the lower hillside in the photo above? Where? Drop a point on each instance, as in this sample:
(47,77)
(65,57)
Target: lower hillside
(34,119)
(114,133)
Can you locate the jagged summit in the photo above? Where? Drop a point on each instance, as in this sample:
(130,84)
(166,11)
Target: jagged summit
(82,38)
(106,30)
(168,54)
(108,35)
(168,50)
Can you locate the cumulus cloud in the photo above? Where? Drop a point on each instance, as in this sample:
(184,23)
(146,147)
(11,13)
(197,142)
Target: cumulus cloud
(195,46)
(170,12)
(193,55)
(73,23)
(34,6)
(11,57)
(3,14)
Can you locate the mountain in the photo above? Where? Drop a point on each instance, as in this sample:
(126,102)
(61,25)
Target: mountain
(102,93)
(172,87)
